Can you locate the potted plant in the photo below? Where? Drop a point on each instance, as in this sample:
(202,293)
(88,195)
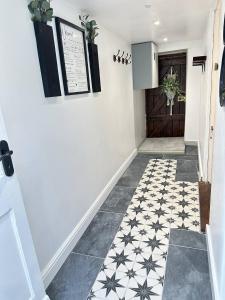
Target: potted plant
(91,30)
(90,27)
(41,14)
(171,88)
(41,11)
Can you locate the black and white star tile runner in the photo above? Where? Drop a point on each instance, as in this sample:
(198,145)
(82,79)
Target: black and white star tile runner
(135,264)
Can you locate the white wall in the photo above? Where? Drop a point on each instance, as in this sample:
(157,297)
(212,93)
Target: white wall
(139,116)
(217,214)
(204,110)
(67,148)
(193,90)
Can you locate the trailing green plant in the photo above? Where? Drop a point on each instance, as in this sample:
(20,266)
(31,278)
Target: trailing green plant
(41,10)
(90,27)
(171,85)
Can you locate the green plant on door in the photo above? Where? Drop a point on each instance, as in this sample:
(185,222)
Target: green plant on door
(41,11)
(171,88)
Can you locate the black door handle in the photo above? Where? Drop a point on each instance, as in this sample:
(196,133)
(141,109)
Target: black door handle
(5,158)
(7,154)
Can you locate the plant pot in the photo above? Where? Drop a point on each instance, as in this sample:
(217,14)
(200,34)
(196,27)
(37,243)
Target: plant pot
(170,97)
(94,67)
(47,59)
(170,101)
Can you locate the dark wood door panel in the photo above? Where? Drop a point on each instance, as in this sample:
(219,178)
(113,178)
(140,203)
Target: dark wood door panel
(169,126)
(159,122)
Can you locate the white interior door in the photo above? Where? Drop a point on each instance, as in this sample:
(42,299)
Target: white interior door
(20,277)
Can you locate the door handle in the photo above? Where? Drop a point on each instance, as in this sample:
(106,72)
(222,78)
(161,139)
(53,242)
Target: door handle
(5,158)
(7,154)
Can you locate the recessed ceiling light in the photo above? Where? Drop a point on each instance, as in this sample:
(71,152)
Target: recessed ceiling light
(157,23)
(165,39)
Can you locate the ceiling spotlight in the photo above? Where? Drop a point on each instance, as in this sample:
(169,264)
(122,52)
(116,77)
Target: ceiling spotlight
(157,23)
(165,39)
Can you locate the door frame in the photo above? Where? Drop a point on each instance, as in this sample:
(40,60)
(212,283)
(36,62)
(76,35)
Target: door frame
(215,77)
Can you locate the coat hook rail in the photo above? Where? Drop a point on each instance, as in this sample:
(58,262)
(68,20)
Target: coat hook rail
(125,60)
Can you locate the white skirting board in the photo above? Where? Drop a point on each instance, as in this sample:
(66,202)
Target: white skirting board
(200,162)
(212,270)
(63,252)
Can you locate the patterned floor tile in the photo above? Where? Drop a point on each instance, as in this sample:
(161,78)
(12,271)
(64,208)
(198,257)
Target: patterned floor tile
(135,265)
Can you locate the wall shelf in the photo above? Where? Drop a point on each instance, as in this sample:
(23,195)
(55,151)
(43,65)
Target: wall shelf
(47,59)
(94,67)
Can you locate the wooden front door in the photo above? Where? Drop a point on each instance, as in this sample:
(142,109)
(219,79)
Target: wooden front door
(158,120)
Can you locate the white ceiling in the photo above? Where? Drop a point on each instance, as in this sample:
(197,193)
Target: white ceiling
(180,20)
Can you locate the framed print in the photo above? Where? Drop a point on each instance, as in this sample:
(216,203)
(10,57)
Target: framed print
(73,57)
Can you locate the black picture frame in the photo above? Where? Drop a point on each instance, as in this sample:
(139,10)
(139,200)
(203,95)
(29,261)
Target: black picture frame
(58,22)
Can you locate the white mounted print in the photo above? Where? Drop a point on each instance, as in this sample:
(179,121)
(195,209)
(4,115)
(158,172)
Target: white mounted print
(73,56)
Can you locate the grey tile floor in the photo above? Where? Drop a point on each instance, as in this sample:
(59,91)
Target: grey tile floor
(187,272)
(189,239)
(77,275)
(92,242)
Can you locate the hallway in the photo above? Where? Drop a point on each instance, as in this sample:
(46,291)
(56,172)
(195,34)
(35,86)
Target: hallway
(112,161)
(155,194)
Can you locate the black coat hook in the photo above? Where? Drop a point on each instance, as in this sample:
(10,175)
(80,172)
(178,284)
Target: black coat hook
(126,60)
(115,56)
(120,57)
